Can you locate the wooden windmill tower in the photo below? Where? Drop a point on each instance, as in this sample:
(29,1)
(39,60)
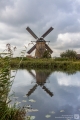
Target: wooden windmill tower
(40,45)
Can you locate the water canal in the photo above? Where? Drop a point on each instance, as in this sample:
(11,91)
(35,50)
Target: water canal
(50,95)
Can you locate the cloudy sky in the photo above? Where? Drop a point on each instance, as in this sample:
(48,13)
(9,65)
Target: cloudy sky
(40,15)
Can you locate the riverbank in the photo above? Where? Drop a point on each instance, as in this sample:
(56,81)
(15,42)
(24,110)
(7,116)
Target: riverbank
(53,64)
(46,64)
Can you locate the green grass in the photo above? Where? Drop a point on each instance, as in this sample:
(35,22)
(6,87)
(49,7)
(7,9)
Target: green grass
(12,113)
(7,113)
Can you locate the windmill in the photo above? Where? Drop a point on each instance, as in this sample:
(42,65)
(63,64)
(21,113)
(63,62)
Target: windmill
(41,78)
(40,45)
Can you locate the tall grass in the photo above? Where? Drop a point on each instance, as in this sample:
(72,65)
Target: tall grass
(7,113)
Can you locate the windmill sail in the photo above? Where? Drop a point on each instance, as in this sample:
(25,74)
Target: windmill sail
(31,49)
(47,32)
(48,91)
(40,45)
(48,48)
(31,32)
(33,75)
(32,90)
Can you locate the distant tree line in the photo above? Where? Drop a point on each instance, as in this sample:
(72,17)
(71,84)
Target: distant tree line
(69,54)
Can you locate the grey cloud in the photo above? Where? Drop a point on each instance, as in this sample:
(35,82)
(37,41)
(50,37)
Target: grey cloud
(23,12)
(39,15)
(4,3)
(28,12)
(65,6)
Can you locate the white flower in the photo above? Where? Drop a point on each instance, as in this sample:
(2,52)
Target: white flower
(61,110)
(52,112)
(32,117)
(28,106)
(24,101)
(48,116)
(31,110)
(31,100)
(17,103)
(24,96)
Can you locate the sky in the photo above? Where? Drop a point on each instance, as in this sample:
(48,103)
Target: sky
(40,15)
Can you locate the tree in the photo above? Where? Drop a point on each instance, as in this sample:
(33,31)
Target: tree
(69,54)
(46,54)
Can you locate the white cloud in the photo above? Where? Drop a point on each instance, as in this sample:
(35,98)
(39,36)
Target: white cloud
(68,41)
(22,80)
(66,80)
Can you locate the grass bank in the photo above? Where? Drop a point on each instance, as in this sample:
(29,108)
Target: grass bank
(53,64)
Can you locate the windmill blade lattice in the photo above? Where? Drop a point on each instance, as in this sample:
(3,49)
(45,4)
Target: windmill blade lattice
(31,49)
(48,48)
(33,75)
(47,32)
(31,32)
(31,90)
(48,91)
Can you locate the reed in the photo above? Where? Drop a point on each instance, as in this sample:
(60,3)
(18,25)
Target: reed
(7,112)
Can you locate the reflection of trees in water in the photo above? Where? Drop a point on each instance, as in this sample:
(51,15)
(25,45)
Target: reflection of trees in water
(41,78)
(69,72)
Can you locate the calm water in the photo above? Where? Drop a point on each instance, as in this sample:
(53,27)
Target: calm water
(56,94)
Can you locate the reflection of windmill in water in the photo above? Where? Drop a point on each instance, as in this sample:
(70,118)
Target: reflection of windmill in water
(40,45)
(41,78)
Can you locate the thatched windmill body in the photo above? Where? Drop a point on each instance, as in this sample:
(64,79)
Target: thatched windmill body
(40,45)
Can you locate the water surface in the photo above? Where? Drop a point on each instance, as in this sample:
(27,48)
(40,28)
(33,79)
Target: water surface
(48,93)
